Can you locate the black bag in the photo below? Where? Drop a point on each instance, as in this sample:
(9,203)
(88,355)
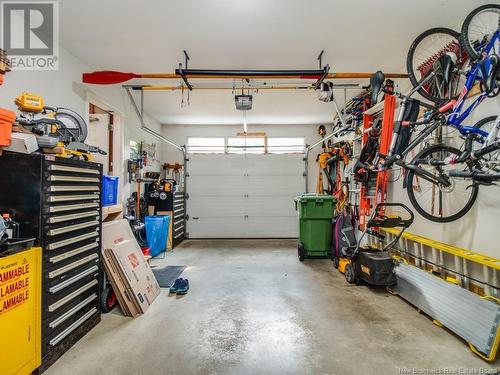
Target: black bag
(411,114)
(344,235)
(375,267)
(368,153)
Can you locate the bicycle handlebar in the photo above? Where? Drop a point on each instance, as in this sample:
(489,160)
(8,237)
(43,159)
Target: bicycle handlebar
(403,96)
(405,207)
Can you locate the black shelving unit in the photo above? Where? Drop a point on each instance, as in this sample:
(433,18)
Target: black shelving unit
(58,201)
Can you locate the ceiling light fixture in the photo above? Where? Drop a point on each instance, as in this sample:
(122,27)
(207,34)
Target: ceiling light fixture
(243,102)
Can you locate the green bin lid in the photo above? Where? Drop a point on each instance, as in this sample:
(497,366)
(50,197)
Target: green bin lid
(314,196)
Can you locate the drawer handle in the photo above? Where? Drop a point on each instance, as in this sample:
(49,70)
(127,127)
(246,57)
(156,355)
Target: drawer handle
(58,219)
(65,198)
(74,188)
(65,168)
(72,311)
(71,228)
(72,266)
(73,178)
(72,327)
(69,241)
(70,207)
(72,295)
(73,279)
(72,253)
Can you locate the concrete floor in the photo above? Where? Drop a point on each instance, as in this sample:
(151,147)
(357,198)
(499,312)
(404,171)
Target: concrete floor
(253,308)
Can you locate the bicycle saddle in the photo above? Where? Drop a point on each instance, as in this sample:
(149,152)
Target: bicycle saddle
(490,71)
(376,81)
(444,67)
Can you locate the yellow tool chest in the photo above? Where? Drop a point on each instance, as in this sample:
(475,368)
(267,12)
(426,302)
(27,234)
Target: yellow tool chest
(20,312)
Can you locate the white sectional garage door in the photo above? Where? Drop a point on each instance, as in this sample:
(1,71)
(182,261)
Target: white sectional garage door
(243,196)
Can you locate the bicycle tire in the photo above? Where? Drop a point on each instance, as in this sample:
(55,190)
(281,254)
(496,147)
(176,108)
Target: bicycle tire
(464,39)
(411,193)
(484,121)
(409,59)
(479,125)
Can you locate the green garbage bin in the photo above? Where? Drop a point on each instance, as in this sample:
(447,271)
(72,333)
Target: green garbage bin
(315,213)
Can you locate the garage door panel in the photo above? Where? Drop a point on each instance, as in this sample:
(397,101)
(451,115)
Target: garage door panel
(245,185)
(270,165)
(228,165)
(258,227)
(285,184)
(216,185)
(217,165)
(241,206)
(238,196)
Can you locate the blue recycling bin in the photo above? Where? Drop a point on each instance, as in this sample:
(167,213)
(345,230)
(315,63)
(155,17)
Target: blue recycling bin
(157,233)
(109,190)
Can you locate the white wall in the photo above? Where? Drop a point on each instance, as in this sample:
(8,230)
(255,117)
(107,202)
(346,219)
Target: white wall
(63,88)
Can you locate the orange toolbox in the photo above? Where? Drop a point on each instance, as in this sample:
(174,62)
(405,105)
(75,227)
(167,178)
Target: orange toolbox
(6,120)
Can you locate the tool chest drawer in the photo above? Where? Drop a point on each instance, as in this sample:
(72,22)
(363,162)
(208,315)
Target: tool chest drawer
(54,326)
(179,222)
(58,243)
(65,332)
(65,307)
(59,277)
(59,229)
(56,304)
(178,229)
(80,248)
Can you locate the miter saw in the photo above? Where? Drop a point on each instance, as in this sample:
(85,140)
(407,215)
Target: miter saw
(59,131)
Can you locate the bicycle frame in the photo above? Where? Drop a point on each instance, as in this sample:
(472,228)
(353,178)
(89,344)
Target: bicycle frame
(457,116)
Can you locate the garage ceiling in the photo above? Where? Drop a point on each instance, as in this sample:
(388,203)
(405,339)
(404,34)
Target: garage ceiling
(149,36)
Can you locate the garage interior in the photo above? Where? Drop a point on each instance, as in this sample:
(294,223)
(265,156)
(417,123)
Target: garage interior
(273,187)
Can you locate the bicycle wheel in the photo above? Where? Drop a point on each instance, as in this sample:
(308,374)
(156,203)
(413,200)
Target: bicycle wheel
(478,28)
(441,204)
(424,52)
(491,160)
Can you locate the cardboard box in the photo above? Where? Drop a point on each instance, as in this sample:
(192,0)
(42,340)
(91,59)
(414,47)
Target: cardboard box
(130,266)
(124,299)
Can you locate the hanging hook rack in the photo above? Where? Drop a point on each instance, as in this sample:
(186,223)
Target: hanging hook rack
(181,70)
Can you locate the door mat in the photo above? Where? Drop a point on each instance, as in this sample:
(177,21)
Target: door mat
(167,275)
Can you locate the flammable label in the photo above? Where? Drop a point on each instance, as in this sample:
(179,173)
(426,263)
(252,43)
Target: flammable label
(14,284)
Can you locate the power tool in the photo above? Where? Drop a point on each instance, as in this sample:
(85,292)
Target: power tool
(58,130)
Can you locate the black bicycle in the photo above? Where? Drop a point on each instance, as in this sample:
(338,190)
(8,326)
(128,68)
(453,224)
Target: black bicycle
(439,179)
